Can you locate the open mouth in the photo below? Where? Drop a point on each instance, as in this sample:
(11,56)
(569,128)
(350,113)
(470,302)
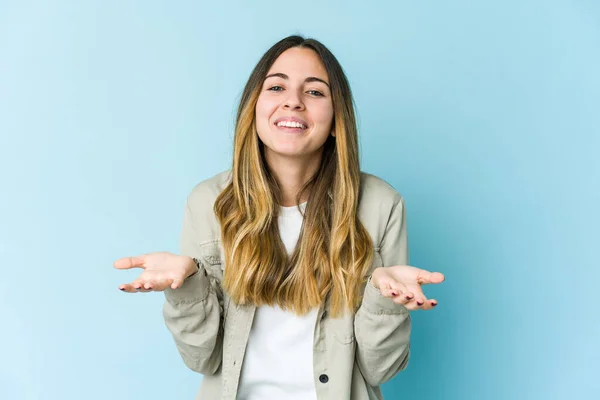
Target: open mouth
(291,126)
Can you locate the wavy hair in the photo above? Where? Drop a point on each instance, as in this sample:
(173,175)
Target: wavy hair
(334,251)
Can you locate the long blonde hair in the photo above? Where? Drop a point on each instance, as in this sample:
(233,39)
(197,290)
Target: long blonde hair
(334,251)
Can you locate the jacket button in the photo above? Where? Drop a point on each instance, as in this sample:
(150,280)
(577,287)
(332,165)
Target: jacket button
(323,378)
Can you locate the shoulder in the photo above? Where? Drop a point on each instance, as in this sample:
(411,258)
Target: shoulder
(207,190)
(378,201)
(201,201)
(376,191)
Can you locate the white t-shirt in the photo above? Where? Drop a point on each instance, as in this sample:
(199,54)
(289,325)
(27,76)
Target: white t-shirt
(278,363)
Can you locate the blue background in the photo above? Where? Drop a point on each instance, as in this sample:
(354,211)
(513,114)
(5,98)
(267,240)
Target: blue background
(484,115)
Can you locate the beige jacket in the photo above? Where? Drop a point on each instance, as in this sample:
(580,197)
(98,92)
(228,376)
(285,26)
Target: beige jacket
(352,355)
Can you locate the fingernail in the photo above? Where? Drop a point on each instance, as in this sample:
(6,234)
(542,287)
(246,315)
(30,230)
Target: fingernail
(408,297)
(433,304)
(121,288)
(394,294)
(419,303)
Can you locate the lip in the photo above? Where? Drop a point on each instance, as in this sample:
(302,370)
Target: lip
(292,119)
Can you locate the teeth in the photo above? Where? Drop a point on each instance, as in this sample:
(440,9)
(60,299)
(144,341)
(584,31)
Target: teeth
(290,124)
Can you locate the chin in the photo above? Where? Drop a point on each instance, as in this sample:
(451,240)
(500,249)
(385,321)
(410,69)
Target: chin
(289,153)
(286,151)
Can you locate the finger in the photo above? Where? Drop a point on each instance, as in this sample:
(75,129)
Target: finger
(417,290)
(398,288)
(410,305)
(138,285)
(127,287)
(176,284)
(418,297)
(418,302)
(160,285)
(145,287)
(387,291)
(429,304)
(129,262)
(393,289)
(426,277)
(404,298)
(400,293)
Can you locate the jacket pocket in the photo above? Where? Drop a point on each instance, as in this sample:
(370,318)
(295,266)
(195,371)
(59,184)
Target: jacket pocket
(212,259)
(212,255)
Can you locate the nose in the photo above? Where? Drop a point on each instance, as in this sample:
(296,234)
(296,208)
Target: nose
(293,101)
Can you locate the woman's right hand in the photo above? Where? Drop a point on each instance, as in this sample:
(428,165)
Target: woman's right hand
(161,271)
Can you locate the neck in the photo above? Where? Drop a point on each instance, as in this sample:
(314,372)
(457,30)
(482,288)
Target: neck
(292,174)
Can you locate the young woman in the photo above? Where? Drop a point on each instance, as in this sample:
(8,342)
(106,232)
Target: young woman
(292,281)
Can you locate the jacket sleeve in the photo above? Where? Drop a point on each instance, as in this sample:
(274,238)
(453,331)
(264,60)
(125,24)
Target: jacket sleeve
(382,327)
(193,312)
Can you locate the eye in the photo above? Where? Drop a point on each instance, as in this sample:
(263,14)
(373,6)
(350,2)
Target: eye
(274,87)
(316,93)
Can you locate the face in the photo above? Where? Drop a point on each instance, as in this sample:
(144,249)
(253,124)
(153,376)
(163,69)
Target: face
(294,112)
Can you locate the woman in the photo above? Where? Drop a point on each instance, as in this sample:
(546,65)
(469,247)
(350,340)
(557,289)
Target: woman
(292,281)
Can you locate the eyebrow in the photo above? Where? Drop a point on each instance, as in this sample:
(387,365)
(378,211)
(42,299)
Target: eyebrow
(284,76)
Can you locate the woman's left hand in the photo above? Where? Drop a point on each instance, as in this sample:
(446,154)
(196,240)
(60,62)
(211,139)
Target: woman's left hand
(403,283)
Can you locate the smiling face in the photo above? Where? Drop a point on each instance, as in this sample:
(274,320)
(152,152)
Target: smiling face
(294,111)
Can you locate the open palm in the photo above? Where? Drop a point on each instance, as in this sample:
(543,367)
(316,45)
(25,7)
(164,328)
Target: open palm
(161,271)
(403,283)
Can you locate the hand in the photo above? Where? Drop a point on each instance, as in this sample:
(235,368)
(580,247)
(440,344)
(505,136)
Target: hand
(161,271)
(403,283)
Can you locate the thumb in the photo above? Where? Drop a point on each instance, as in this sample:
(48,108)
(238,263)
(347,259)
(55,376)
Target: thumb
(129,262)
(426,277)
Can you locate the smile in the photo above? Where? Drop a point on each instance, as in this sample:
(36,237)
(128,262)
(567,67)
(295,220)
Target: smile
(291,124)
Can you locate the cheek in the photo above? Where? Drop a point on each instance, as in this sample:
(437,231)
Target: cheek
(265,105)
(262,112)
(324,116)
(258,110)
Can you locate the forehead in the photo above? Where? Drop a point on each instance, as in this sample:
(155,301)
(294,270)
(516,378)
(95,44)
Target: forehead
(300,62)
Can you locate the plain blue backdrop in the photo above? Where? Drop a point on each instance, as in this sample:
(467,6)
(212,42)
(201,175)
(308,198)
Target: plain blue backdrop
(485,115)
